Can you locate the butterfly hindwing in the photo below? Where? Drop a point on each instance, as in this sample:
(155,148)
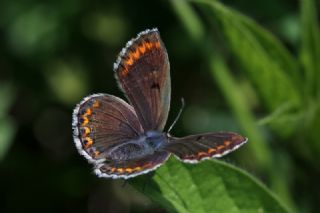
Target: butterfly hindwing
(131,168)
(102,121)
(142,70)
(194,148)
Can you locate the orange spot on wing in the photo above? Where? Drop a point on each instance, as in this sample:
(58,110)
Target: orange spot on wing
(85,116)
(88,112)
(130,61)
(129,170)
(96,153)
(123,170)
(86,131)
(135,54)
(142,49)
(124,72)
(220,147)
(87,142)
(147,165)
(85,120)
(227,143)
(96,104)
(149,45)
(138,168)
(211,150)
(120,170)
(200,154)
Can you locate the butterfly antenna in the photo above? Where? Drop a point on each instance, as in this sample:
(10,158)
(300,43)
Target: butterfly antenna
(178,116)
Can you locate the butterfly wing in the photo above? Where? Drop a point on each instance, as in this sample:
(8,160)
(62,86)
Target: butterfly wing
(102,121)
(131,168)
(194,148)
(142,70)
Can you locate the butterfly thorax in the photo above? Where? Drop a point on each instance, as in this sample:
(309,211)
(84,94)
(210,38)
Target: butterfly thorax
(155,139)
(143,145)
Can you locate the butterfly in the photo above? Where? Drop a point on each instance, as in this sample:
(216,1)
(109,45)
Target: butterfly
(123,140)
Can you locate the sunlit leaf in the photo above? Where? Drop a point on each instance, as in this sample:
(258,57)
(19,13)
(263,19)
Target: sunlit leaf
(212,186)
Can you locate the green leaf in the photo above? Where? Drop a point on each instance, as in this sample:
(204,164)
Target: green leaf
(211,186)
(310,46)
(269,65)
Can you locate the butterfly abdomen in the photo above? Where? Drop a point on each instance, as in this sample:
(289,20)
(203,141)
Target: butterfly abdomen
(127,151)
(144,145)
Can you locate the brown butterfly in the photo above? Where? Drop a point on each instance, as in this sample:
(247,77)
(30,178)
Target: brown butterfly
(124,140)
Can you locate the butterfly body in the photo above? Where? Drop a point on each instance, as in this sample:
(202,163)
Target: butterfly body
(140,147)
(123,140)
(156,139)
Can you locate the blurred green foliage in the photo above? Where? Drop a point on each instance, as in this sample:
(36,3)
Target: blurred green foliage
(246,66)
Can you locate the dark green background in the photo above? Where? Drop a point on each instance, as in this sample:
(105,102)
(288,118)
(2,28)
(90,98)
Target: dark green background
(53,53)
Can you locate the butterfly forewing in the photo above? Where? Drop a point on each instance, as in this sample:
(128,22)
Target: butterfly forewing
(101,122)
(194,148)
(142,70)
